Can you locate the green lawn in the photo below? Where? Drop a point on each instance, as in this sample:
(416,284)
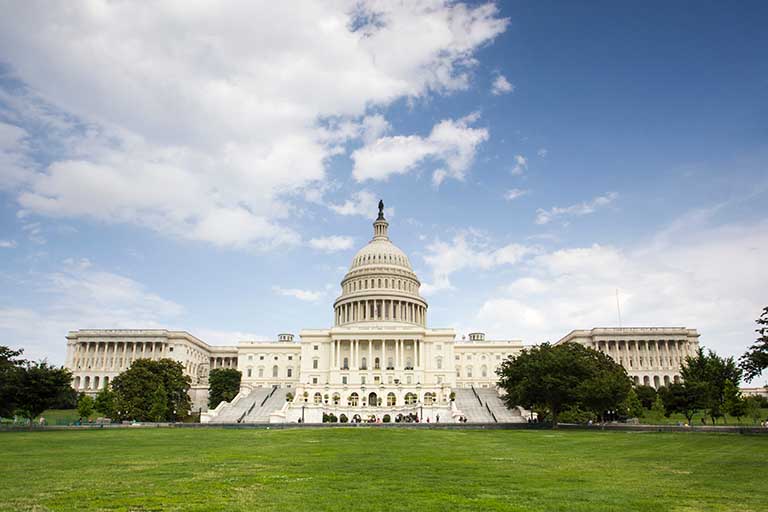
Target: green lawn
(381,469)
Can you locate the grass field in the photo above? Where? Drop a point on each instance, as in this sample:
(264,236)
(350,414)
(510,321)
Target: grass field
(381,469)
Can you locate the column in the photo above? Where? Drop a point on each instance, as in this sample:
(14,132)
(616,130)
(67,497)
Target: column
(383,354)
(133,354)
(370,355)
(397,354)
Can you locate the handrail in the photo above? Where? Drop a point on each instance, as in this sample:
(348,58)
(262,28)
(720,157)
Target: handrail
(274,388)
(476,395)
(490,411)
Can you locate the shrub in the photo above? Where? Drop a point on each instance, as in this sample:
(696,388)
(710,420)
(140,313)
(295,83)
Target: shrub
(386,418)
(343,419)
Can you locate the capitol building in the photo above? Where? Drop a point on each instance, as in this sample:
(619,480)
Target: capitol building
(380,360)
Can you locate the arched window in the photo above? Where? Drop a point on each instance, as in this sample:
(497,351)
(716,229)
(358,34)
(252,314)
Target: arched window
(275,369)
(364,366)
(666,380)
(410,399)
(261,373)
(318,398)
(376,364)
(408,364)
(87,382)
(353,399)
(646,381)
(289,372)
(484,371)
(429,398)
(391,399)
(390,364)
(346,364)
(458,371)
(469,371)
(95,383)
(439,363)
(77,382)
(656,383)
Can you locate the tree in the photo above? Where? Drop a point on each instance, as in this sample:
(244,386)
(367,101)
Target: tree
(633,405)
(646,395)
(85,406)
(223,385)
(733,402)
(752,408)
(10,366)
(755,360)
(159,409)
(553,378)
(39,386)
(608,386)
(709,373)
(682,398)
(105,402)
(135,385)
(657,409)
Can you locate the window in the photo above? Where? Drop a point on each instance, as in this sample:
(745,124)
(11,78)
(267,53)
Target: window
(469,371)
(249,372)
(275,358)
(439,363)
(484,371)
(345,366)
(429,398)
(352,400)
(318,398)
(289,372)
(261,358)
(364,365)
(410,399)
(376,364)
(250,357)
(290,358)
(275,369)
(314,380)
(344,379)
(314,363)
(362,380)
(170,349)
(261,373)
(315,347)
(391,399)
(457,357)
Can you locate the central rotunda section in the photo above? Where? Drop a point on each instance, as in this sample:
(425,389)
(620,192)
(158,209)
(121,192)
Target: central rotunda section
(381,285)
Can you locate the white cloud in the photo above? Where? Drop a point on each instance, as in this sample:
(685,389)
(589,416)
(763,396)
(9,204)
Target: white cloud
(711,279)
(78,296)
(332,243)
(452,142)
(466,251)
(515,193)
(543,152)
(305,295)
(501,86)
(575,210)
(8,244)
(199,120)
(521,165)
(361,203)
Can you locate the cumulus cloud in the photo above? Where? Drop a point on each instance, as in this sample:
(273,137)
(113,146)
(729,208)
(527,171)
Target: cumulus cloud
(451,142)
(690,281)
(332,243)
(466,251)
(199,123)
(521,165)
(515,193)
(8,244)
(575,210)
(305,295)
(501,86)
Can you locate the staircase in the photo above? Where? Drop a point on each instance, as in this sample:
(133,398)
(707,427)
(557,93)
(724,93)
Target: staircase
(472,408)
(498,409)
(232,413)
(272,402)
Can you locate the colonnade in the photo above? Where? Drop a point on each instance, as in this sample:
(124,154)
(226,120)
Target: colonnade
(647,354)
(381,309)
(115,355)
(354,351)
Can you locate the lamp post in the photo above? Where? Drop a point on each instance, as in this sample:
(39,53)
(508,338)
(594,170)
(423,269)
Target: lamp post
(302,414)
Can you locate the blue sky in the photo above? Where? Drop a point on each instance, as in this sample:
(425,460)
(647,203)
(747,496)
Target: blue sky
(216,170)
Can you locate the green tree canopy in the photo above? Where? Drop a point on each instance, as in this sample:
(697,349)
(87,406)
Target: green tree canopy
(40,386)
(705,375)
(159,405)
(682,398)
(105,402)
(223,385)
(633,405)
(755,360)
(10,368)
(136,387)
(646,395)
(553,378)
(85,406)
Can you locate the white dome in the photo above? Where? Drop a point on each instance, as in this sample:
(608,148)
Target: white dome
(380,284)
